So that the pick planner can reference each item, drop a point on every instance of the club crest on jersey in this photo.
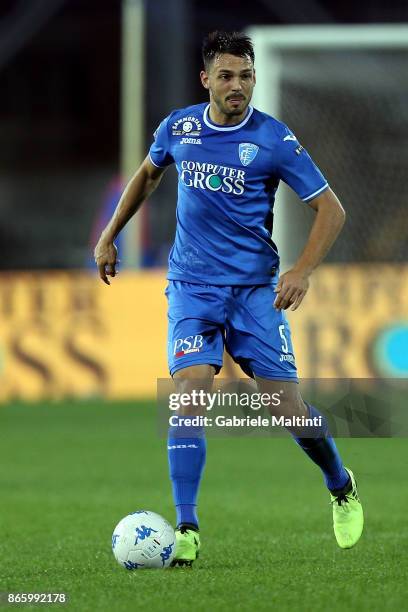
(186, 125)
(247, 152)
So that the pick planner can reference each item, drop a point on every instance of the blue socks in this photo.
(186, 453)
(323, 451)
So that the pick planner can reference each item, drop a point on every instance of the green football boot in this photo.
(348, 518)
(187, 546)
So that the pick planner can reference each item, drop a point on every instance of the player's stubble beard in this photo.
(222, 104)
(221, 101)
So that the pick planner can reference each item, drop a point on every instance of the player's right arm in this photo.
(140, 187)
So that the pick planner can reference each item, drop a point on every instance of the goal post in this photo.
(343, 91)
(132, 116)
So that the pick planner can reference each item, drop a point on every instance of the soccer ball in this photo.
(143, 540)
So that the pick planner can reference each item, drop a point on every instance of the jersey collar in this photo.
(229, 128)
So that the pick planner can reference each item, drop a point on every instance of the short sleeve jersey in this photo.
(227, 181)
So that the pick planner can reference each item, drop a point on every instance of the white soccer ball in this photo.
(144, 540)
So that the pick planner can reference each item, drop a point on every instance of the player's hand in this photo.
(291, 289)
(106, 258)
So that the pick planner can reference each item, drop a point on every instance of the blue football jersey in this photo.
(227, 181)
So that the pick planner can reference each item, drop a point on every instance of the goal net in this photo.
(343, 91)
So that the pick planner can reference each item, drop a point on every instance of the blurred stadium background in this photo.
(83, 85)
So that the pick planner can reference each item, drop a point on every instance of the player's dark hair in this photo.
(218, 42)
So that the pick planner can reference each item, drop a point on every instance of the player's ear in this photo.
(254, 76)
(204, 79)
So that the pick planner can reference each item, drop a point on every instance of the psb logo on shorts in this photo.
(186, 125)
(190, 344)
(247, 152)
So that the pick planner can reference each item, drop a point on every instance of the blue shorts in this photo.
(205, 318)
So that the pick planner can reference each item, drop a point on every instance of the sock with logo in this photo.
(186, 453)
(322, 450)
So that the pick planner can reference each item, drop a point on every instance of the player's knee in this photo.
(202, 372)
(290, 401)
(290, 404)
(194, 382)
(196, 371)
(294, 406)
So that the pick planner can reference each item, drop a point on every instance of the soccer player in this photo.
(224, 286)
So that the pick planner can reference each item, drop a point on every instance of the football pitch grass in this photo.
(71, 471)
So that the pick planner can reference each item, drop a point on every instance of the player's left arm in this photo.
(330, 216)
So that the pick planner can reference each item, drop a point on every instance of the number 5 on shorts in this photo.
(285, 348)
